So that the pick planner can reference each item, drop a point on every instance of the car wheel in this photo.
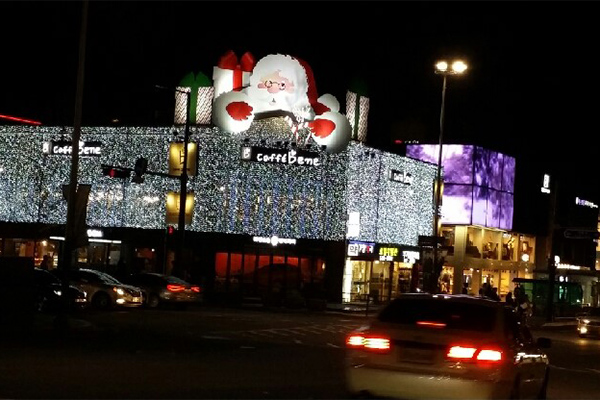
(153, 300)
(544, 389)
(101, 301)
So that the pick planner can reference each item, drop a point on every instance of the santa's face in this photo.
(277, 83)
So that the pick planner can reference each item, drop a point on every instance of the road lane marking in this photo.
(585, 370)
(214, 337)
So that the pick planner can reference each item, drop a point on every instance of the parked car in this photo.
(588, 323)
(160, 289)
(446, 346)
(104, 291)
(49, 291)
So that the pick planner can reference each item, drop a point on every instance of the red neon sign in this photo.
(23, 120)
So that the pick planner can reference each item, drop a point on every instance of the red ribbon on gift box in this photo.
(230, 61)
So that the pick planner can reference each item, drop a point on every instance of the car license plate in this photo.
(416, 355)
(137, 299)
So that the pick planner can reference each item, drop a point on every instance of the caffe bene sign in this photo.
(64, 147)
(280, 156)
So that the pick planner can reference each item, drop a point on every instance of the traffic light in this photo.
(115, 172)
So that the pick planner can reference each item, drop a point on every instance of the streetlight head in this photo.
(441, 66)
(458, 67)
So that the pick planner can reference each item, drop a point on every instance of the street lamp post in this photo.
(183, 180)
(457, 67)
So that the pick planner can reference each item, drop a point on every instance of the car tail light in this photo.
(175, 288)
(431, 324)
(374, 343)
(489, 355)
(196, 289)
(470, 353)
(355, 341)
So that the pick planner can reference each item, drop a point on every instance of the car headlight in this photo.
(585, 321)
(58, 292)
(119, 291)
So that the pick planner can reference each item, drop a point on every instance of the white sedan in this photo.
(424, 346)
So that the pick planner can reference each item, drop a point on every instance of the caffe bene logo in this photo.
(65, 147)
(280, 156)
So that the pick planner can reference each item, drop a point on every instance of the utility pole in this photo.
(550, 253)
(67, 255)
(180, 268)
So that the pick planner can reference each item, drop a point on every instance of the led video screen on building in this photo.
(478, 184)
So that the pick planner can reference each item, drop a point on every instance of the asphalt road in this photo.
(219, 353)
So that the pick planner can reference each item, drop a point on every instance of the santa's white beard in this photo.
(263, 101)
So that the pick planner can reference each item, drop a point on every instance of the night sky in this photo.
(531, 90)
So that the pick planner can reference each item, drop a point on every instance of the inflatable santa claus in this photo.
(279, 86)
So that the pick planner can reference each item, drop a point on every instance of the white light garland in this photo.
(231, 195)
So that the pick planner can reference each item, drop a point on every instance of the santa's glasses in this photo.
(269, 84)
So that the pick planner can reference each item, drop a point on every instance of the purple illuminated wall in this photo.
(478, 184)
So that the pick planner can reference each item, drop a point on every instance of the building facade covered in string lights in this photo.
(256, 206)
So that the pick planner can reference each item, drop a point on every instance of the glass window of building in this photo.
(509, 244)
(526, 250)
(474, 242)
(491, 244)
(448, 239)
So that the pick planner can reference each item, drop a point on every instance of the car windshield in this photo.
(455, 315)
(106, 278)
(175, 280)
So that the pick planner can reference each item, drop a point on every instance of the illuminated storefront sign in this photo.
(280, 156)
(410, 256)
(356, 248)
(546, 184)
(176, 155)
(400, 176)
(582, 202)
(173, 208)
(65, 147)
(95, 233)
(273, 240)
(353, 224)
(388, 253)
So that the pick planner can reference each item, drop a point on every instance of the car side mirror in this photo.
(544, 343)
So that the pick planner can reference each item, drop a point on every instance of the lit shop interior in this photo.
(477, 218)
(377, 273)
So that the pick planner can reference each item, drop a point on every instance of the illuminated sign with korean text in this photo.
(410, 256)
(546, 184)
(586, 203)
(388, 253)
(353, 224)
(65, 147)
(356, 248)
(400, 176)
(273, 240)
(280, 156)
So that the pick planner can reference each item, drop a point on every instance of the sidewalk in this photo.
(559, 323)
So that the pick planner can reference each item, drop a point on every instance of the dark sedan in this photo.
(160, 289)
(49, 291)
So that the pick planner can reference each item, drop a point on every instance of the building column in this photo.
(460, 246)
